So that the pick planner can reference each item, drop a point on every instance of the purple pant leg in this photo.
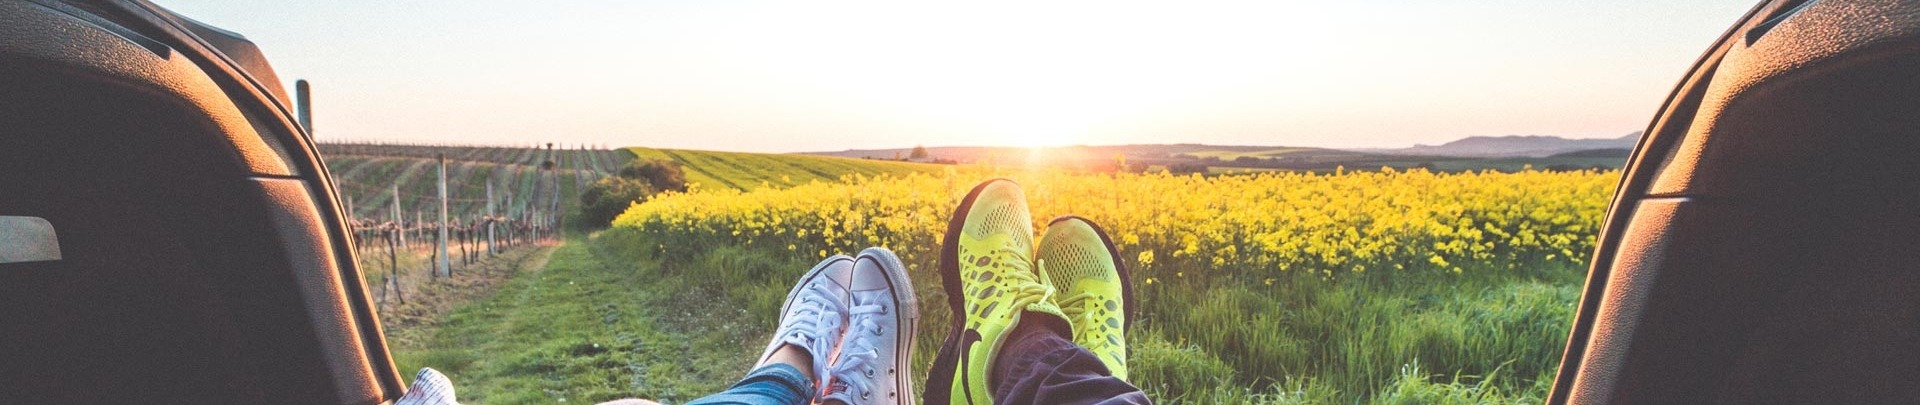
(1039, 365)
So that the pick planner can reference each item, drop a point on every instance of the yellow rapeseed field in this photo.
(1260, 225)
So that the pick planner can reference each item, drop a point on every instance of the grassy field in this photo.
(747, 171)
(1276, 152)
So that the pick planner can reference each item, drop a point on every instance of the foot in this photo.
(873, 363)
(814, 318)
(429, 388)
(1082, 263)
(986, 267)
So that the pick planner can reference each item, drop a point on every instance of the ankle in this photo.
(796, 357)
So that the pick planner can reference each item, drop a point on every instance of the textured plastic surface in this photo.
(1760, 249)
(30, 31)
(198, 257)
(310, 262)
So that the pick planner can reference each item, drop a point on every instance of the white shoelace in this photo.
(816, 318)
(859, 351)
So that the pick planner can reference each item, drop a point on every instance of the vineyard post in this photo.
(446, 263)
(490, 250)
(399, 221)
(511, 233)
(553, 212)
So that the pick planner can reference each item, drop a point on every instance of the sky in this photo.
(775, 76)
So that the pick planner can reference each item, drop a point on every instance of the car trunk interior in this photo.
(196, 255)
(1761, 249)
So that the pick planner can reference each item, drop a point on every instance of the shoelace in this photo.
(1074, 306)
(816, 316)
(859, 353)
(1028, 286)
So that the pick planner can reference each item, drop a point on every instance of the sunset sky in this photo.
(829, 75)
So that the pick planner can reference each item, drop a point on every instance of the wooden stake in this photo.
(446, 263)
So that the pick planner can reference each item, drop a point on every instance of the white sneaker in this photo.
(873, 363)
(429, 388)
(815, 315)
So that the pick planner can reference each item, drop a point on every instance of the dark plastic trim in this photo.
(1668, 127)
(302, 155)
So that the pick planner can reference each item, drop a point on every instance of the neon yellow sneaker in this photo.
(986, 268)
(1079, 258)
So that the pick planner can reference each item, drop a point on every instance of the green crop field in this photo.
(748, 171)
(1231, 155)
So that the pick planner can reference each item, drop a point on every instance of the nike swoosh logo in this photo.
(967, 340)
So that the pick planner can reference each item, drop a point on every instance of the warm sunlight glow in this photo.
(1039, 128)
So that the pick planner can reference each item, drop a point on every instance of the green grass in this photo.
(583, 329)
(747, 171)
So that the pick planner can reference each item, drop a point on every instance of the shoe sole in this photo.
(1126, 278)
(811, 274)
(940, 377)
(908, 321)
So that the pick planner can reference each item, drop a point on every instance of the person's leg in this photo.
(1041, 365)
(1009, 311)
(772, 384)
(1010, 340)
(1083, 358)
(986, 268)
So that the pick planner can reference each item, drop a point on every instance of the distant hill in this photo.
(1105, 157)
(967, 154)
(1616, 153)
(747, 171)
(1513, 146)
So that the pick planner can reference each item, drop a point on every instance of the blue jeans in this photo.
(772, 384)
